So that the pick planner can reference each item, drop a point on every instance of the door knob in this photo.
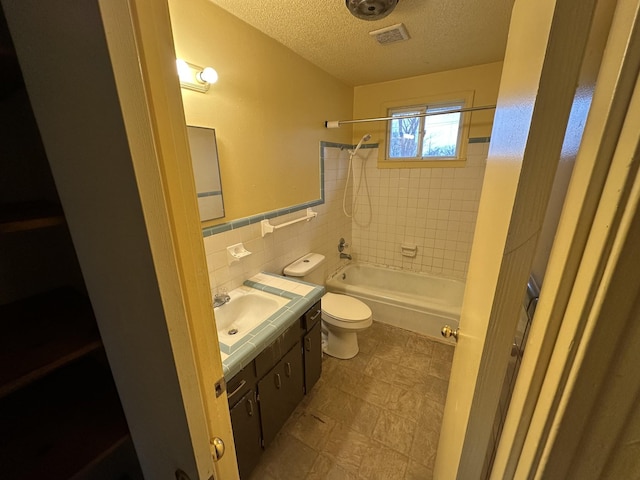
(447, 332)
(217, 448)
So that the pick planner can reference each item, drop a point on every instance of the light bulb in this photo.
(208, 75)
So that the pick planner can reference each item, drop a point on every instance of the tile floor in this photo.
(376, 416)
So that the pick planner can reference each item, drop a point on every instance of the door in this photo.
(246, 433)
(116, 143)
(537, 105)
(280, 391)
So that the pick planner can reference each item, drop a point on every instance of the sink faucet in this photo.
(221, 298)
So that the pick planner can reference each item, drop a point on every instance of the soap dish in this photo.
(236, 252)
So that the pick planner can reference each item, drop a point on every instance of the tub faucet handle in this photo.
(342, 245)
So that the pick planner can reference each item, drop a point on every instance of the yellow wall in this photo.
(372, 100)
(268, 109)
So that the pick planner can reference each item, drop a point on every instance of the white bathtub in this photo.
(414, 301)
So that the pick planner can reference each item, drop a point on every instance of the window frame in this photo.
(462, 99)
(421, 129)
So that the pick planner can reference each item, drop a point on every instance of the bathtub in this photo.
(418, 302)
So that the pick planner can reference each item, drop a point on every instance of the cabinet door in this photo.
(245, 420)
(280, 392)
(312, 357)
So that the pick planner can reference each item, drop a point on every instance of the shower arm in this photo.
(339, 123)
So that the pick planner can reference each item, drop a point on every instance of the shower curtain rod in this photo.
(338, 123)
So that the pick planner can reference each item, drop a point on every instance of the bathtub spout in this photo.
(345, 255)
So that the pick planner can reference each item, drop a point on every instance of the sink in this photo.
(247, 309)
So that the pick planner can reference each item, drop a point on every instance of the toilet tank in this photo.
(309, 268)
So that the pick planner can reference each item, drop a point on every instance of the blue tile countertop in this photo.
(302, 296)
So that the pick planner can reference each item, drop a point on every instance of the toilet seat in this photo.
(342, 308)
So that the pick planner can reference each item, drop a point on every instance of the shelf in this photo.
(58, 426)
(17, 217)
(43, 333)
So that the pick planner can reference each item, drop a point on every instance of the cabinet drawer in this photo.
(241, 383)
(274, 352)
(312, 317)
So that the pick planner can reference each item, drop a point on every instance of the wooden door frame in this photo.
(543, 60)
(551, 327)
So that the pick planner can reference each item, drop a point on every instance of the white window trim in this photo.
(466, 100)
(422, 109)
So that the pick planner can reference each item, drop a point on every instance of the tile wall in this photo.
(434, 209)
(276, 250)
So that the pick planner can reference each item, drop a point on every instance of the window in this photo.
(436, 137)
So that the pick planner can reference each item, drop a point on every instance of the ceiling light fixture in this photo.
(371, 9)
(194, 77)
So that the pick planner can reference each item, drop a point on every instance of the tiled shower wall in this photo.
(276, 250)
(434, 209)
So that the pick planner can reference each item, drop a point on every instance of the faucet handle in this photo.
(342, 244)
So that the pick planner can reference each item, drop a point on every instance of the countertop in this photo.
(301, 295)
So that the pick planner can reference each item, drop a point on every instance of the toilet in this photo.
(342, 316)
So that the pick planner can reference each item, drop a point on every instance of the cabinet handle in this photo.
(237, 389)
(277, 379)
(316, 315)
(250, 407)
(287, 369)
(307, 343)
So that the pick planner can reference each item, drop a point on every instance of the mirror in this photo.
(204, 160)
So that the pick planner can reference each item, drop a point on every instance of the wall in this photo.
(434, 209)
(36, 260)
(268, 108)
(371, 100)
(276, 250)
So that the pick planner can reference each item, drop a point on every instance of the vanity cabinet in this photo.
(280, 392)
(264, 394)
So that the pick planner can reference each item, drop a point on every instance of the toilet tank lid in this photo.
(304, 266)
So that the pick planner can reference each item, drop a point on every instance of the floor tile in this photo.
(311, 428)
(404, 402)
(327, 468)
(383, 464)
(417, 471)
(287, 458)
(420, 343)
(352, 412)
(395, 432)
(348, 448)
(376, 416)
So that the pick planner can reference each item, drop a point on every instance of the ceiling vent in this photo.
(394, 33)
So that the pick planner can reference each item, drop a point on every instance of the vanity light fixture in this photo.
(194, 77)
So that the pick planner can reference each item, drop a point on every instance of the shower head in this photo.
(365, 138)
(371, 9)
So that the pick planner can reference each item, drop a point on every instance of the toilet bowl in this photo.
(342, 316)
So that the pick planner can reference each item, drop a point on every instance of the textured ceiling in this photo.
(445, 35)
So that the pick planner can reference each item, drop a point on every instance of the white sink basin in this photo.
(247, 309)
